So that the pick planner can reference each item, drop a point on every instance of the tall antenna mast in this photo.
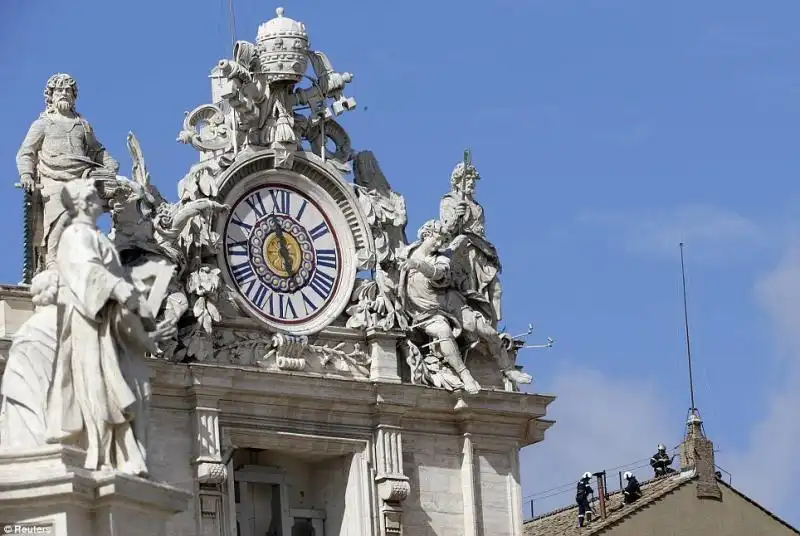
(232, 23)
(686, 327)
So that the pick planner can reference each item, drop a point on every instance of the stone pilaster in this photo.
(208, 451)
(393, 486)
(468, 485)
(211, 472)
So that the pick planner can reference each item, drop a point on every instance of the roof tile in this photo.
(564, 521)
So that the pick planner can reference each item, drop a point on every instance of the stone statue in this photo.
(29, 369)
(434, 308)
(100, 390)
(60, 147)
(439, 309)
(476, 269)
(145, 231)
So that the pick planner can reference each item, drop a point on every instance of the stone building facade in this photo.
(296, 396)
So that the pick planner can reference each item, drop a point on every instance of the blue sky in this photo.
(605, 131)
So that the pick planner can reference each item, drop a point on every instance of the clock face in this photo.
(283, 255)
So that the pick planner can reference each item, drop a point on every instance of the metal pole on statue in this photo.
(27, 238)
(28, 235)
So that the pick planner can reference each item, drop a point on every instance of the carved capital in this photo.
(211, 473)
(393, 488)
(393, 485)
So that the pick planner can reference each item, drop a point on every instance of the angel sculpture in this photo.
(377, 302)
(147, 231)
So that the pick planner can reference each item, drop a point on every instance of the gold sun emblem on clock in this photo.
(283, 254)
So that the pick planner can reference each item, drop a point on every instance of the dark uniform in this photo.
(582, 498)
(660, 462)
(632, 490)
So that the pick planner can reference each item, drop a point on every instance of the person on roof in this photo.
(632, 489)
(582, 498)
(661, 461)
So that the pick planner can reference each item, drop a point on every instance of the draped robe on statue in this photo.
(100, 389)
(26, 381)
(476, 266)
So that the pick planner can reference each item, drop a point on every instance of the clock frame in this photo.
(301, 279)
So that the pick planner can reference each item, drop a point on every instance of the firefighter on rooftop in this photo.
(632, 489)
(582, 498)
(661, 461)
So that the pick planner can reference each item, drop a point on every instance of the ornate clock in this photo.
(287, 251)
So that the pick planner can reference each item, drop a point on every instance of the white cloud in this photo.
(767, 469)
(602, 422)
(710, 231)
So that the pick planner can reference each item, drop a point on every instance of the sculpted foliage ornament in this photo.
(286, 352)
(376, 300)
(205, 129)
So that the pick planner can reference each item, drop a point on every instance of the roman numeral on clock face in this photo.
(260, 296)
(326, 258)
(286, 308)
(322, 284)
(319, 231)
(281, 201)
(242, 273)
(237, 220)
(256, 203)
(302, 209)
(236, 248)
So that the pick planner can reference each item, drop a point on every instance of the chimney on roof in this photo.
(601, 492)
(697, 453)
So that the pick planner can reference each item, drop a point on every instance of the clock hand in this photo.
(283, 248)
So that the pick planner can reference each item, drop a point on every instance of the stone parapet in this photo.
(48, 489)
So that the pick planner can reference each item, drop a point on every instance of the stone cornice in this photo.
(21, 292)
(248, 394)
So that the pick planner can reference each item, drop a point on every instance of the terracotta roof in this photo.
(564, 522)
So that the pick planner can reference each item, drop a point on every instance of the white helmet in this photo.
(587, 476)
(662, 447)
(628, 475)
